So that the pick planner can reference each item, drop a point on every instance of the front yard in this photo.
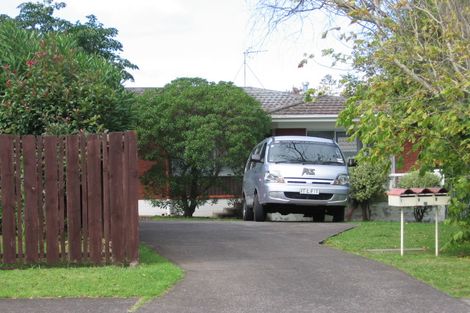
(450, 272)
(152, 277)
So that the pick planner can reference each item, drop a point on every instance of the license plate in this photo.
(309, 191)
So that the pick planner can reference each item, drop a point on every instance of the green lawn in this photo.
(152, 277)
(450, 272)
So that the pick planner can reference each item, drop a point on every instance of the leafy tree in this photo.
(366, 182)
(48, 84)
(200, 128)
(416, 179)
(327, 87)
(39, 16)
(414, 83)
(91, 36)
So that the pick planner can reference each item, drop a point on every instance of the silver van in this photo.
(295, 174)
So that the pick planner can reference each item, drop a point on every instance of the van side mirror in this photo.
(256, 158)
(352, 162)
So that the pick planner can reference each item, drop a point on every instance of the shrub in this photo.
(419, 180)
(366, 181)
(199, 128)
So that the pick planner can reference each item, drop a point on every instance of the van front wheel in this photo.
(338, 214)
(247, 212)
(258, 210)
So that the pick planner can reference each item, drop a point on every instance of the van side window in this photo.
(249, 162)
(263, 152)
(256, 150)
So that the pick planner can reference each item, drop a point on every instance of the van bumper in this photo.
(290, 194)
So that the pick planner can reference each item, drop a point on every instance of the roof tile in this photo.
(288, 103)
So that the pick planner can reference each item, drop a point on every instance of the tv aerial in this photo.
(246, 67)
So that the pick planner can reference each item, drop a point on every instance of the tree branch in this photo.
(415, 77)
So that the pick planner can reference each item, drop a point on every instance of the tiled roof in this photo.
(324, 105)
(285, 102)
(288, 103)
(272, 100)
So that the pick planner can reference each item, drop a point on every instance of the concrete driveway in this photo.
(280, 267)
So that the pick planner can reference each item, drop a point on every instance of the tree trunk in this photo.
(192, 207)
(365, 211)
(419, 213)
(190, 202)
(353, 204)
(186, 206)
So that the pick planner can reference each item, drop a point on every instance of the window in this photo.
(322, 134)
(349, 148)
(305, 152)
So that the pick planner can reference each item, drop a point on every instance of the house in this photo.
(292, 115)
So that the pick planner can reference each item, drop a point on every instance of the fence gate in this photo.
(69, 198)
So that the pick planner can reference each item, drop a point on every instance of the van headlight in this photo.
(342, 179)
(273, 177)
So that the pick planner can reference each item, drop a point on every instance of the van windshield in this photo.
(306, 152)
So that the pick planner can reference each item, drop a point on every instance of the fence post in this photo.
(8, 199)
(31, 198)
(51, 199)
(73, 199)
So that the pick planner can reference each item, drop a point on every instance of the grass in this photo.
(152, 277)
(450, 272)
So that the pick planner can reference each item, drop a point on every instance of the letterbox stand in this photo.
(412, 197)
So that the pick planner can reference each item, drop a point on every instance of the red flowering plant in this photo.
(59, 89)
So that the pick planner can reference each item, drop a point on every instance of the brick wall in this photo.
(143, 166)
(409, 159)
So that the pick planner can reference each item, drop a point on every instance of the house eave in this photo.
(304, 118)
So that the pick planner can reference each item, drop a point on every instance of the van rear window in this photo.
(305, 152)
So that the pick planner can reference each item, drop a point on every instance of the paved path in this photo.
(243, 267)
(247, 267)
(84, 305)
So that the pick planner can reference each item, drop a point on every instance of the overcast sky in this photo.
(205, 38)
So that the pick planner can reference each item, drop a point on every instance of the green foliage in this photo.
(416, 179)
(366, 181)
(416, 88)
(413, 80)
(49, 85)
(459, 210)
(39, 16)
(202, 128)
(327, 87)
(91, 36)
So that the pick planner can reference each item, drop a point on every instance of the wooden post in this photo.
(437, 230)
(31, 198)
(51, 199)
(73, 199)
(402, 231)
(8, 199)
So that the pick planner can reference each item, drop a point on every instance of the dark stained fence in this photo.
(69, 199)
(227, 187)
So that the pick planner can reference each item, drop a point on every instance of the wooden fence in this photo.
(69, 198)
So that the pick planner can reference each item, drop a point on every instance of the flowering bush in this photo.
(50, 86)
